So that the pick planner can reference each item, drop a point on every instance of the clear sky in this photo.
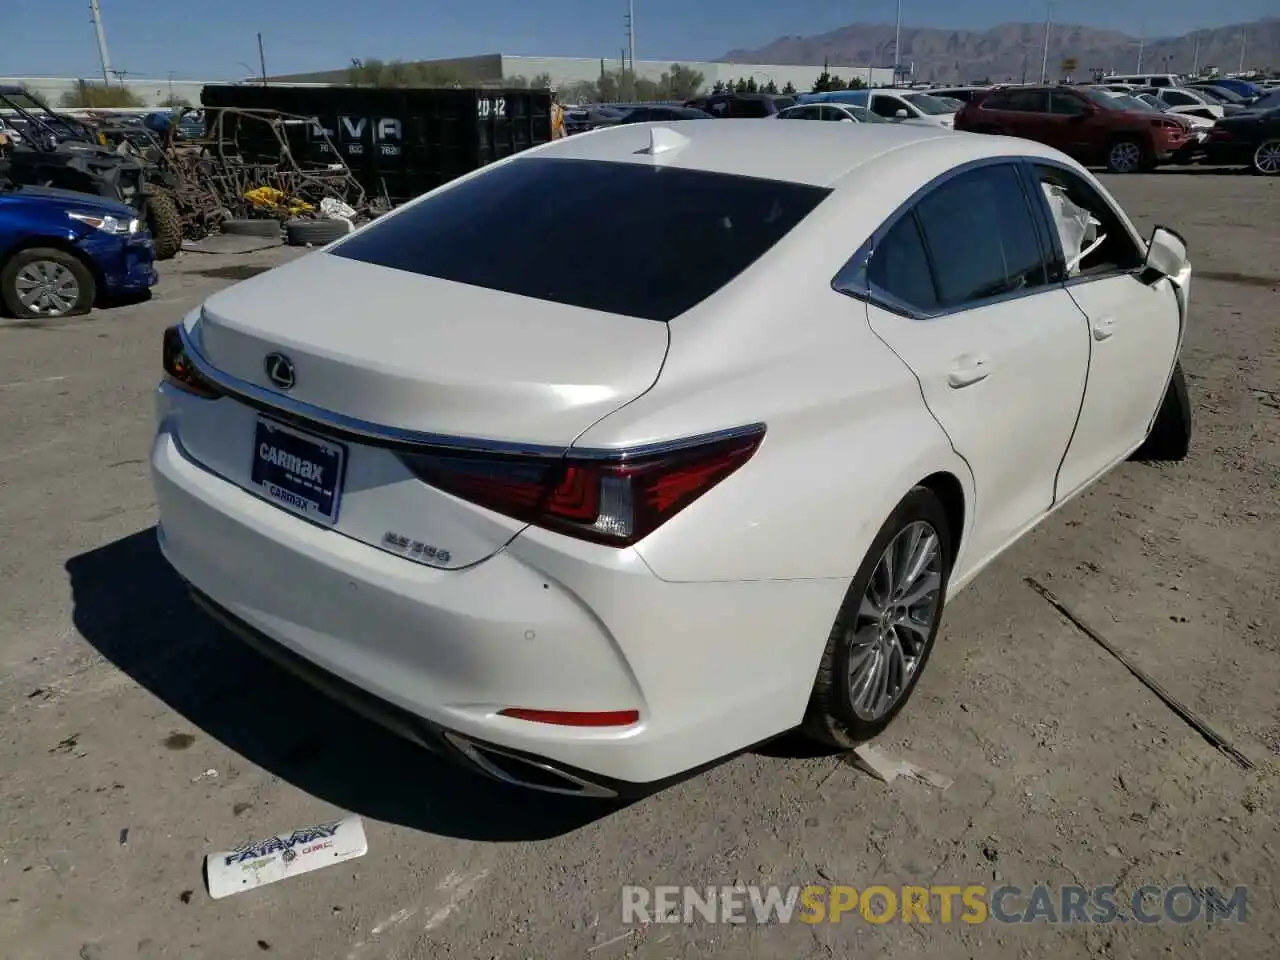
(215, 39)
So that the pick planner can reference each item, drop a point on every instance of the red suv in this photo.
(1082, 122)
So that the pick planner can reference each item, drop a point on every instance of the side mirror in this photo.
(901, 115)
(1166, 252)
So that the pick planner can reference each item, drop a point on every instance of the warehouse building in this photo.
(494, 68)
(152, 93)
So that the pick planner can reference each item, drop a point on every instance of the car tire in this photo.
(164, 222)
(1126, 155)
(50, 263)
(1170, 437)
(1266, 158)
(316, 233)
(858, 641)
(252, 228)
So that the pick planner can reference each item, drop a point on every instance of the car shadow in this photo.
(133, 608)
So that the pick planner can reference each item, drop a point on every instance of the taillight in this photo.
(180, 371)
(612, 499)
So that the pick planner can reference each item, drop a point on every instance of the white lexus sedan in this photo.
(590, 529)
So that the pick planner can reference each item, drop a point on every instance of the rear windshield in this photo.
(626, 238)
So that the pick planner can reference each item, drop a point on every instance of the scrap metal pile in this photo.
(249, 164)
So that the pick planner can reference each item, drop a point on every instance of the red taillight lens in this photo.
(568, 718)
(179, 369)
(615, 500)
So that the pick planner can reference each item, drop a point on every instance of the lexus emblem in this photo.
(280, 370)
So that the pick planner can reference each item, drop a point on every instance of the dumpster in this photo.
(399, 143)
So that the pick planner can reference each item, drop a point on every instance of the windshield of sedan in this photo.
(1152, 105)
(929, 105)
(863, 115)
(1269, 102)
(682, 234)
(1222, 93)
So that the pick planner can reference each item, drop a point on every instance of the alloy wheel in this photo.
(895, 619)
(1125, 157)
(47, 288)
(1266, 159)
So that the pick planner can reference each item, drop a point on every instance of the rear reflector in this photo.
(617, 499)
(568, 718)
(179, 370)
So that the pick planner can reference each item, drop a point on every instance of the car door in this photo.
(1135, 328)
(1067, 125)
(958, 288)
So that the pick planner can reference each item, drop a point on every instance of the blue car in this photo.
(61, 251)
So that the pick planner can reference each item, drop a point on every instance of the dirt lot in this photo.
(116, 700)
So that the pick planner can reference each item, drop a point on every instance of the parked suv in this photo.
(1084, 123)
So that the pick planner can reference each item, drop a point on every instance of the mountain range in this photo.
(1013, 51)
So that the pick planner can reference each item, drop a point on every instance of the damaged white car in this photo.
(589, 529)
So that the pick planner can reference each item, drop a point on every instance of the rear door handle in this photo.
(968, 369)
(1104, 327)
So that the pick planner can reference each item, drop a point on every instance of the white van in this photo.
(1145, 79)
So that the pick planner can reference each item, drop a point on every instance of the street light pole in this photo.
(262, 61)
(1044, 60)
(897, 44)
(631, 35)
(96, 13)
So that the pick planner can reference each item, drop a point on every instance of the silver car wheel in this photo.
(47, 288)
(1267, 157)
(1126, 157)
(895, 619)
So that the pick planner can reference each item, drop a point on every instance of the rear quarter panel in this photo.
(848, 434)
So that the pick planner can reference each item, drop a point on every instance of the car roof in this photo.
(819, 154)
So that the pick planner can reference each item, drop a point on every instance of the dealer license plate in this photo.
(297, 470)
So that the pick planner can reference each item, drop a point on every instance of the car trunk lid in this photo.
(422, 359)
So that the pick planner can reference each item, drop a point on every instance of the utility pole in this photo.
(1141, 43)
(1195, 59)
(1243, 38)
(631, 35)
(262, 61)
(102, 41)
(897, 44)
(1044, 60)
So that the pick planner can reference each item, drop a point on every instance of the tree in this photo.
(175, 102)
(854, 83)
(541, 81)
(720, 88)
(681, 82)
(790, 89)
(770, 87)
(100, 95)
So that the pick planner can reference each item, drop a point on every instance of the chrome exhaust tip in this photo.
(521, 771)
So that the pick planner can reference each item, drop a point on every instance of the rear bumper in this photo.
(545, 623)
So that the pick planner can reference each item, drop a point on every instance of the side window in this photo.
(1179, 99)
(1097, 226)
(981, 238)
(1160, 82)
(1018, 101)
(1065, 104)
(900, 267)
(833, 114)
(888, 107)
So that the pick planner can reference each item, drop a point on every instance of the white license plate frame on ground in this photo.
(298, 471)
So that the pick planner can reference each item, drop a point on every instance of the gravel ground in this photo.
(117, 698)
